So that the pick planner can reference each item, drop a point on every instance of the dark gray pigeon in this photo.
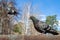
(42, 27)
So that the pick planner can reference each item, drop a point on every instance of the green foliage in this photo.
(51, 20)
(17, 29)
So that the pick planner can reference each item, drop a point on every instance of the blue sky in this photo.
(45, 7)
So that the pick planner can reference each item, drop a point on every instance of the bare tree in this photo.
(5, 7)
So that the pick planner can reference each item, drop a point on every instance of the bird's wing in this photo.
(42, 25)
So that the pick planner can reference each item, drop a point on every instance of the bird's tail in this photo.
(54, 32)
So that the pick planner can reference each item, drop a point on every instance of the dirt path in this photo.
(42, 37)
(31, 37)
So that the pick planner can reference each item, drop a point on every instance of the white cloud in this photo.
(41, 17)
(59, 23)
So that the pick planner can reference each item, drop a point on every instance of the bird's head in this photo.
(32, 17)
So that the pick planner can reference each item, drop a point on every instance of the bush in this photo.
(16, 29)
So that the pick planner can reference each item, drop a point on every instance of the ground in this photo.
(31, 37)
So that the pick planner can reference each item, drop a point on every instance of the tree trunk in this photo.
(5, 25)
